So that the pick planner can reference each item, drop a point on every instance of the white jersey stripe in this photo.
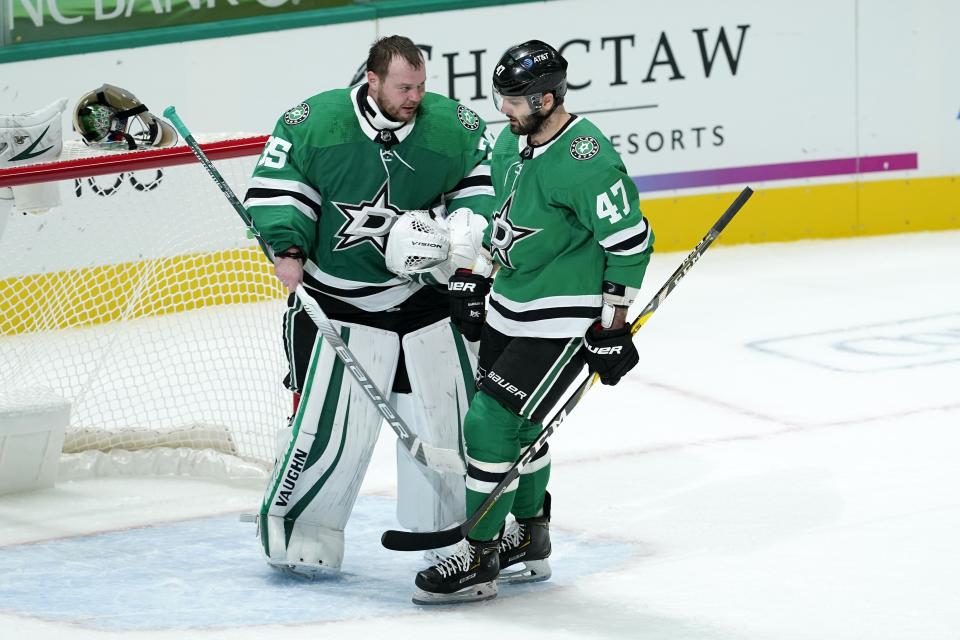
(549, 302)
(391, 294)
(550, 328)
(490, 467)
(479, 170)
(486, 190)
(624, 234)
(341, 283)
(487, 487)
(536, 465)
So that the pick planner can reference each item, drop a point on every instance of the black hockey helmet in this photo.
(530, 69)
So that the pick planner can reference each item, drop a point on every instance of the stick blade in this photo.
(420, 541)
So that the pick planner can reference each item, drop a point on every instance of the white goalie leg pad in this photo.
(317, 478)
(441, 369)
(425, 501)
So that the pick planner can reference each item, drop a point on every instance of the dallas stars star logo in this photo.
(505, 234)
(369, 221)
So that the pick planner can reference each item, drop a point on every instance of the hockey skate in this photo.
(436, 556)
(469, 575)
(525, 547)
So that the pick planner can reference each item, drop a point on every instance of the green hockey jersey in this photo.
(567, 218)
(336, 173)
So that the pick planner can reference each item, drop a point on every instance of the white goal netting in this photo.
(142, 301)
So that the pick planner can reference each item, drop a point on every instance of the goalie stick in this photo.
(418, 541)
(435, 458)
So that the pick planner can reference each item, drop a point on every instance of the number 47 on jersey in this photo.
(605, 206)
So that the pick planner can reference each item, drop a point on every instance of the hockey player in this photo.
(337, 173)
(570, 247)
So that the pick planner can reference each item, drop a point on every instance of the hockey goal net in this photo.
(142, 300)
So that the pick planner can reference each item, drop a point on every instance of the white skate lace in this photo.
(512, 536)
(459, 561)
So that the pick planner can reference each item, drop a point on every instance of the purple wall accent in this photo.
(783, 171)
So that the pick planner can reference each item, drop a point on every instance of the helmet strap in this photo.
(133, 111)
(131, 143)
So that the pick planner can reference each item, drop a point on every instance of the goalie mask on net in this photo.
(113, 118)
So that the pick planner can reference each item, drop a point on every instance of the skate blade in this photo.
(532, 571)
(475, 593)
(308, 571)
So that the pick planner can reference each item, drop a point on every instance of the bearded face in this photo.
(398, 94)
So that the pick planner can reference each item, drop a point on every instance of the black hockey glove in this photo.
(468, 293)
(610, 352)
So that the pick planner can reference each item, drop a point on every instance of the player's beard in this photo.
(398, 114)
(529, 125)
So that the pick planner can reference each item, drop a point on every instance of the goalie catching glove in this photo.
(420, 243)
(610, 353)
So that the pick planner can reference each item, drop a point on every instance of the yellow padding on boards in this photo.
(97, 295)
(810, 212)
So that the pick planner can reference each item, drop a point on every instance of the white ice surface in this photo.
(782, 464)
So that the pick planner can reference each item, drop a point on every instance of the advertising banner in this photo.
(843, 115)
(29, 21)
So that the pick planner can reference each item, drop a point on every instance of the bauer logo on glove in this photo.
(603, 351)
(468, 292)
(466, 287)
(610, 353)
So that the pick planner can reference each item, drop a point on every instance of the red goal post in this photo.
(79, 161)
(141, 300)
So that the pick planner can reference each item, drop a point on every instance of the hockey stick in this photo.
(437, 459)
(418, 541)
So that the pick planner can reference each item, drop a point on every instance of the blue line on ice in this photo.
(209, 573)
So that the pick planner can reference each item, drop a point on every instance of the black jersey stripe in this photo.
(360, 292)
(263, 192)
(484, 476)
(630, 243)
(472, 181)
(492, 476)
(548, 313)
